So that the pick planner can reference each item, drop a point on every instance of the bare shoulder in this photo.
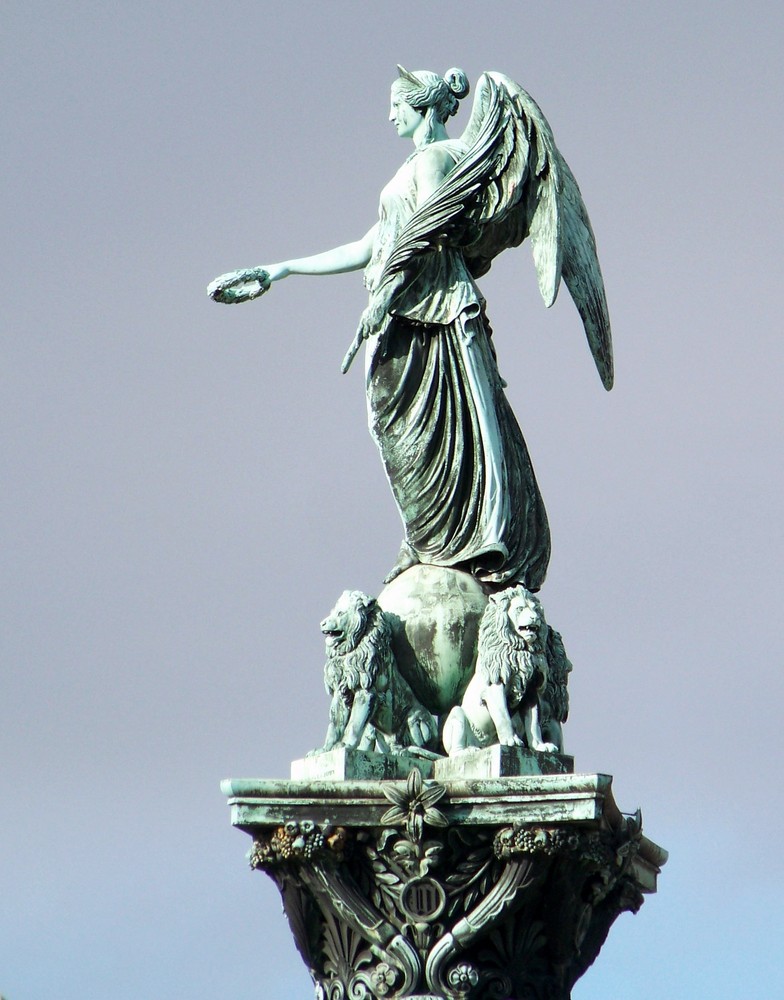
(435, 159)
(430, 168)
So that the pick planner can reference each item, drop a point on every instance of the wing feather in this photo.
(583, 276)
(513, 183)
(452, 206)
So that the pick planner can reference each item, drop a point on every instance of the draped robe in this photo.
(453, 452)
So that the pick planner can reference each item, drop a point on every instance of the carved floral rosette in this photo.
(418, 907)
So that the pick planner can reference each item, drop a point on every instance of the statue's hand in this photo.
(275, 271)
(373, 320)
(241, 286)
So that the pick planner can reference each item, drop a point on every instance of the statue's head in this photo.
(431, 97)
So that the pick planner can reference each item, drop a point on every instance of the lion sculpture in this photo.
(554, 699)
(516, 693)
(372, 706)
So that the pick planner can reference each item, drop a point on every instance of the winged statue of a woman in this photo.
(453, 452)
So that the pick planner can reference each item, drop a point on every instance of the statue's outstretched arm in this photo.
(349, 257)
(244, 285)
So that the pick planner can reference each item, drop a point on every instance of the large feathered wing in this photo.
(511, 184)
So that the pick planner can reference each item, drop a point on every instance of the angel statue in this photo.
(454, 455)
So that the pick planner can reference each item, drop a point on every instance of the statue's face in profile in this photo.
(403, 115)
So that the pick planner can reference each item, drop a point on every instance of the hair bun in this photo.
(457, 82)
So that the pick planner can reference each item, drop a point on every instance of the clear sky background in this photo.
(189, 487)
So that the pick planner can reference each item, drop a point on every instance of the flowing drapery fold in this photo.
(454, 454)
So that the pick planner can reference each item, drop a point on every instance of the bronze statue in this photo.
(454, 455)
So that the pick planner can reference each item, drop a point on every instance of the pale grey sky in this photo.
(189, 487)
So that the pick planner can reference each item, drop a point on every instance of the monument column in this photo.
(438, 845)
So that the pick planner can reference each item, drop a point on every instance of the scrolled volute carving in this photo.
(415, 907)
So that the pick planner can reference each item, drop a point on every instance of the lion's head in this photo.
(512, 639)
(347, 622)
(357, 637)
(516, 616)
(525, 617)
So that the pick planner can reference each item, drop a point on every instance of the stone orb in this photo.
(435, 612)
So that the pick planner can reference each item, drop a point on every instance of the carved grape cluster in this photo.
(534, 840)
(260, 856)
(595, 853)
(282, 841)
(297, 841)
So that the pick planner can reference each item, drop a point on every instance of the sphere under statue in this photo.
(434, 612)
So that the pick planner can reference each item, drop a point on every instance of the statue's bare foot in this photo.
(405, 560)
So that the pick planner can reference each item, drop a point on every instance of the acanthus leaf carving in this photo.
(463, 913)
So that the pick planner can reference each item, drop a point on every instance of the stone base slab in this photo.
(342, 764)
(501, 762)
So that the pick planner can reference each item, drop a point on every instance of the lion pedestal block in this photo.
(342, 763)
(498, 761)
(466, 889)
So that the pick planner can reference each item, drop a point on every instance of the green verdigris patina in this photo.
(462, 890)
(454, 455)
(501, 877)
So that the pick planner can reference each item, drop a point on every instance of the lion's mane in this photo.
(367, 645)
(503, 657)
(557, 693)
